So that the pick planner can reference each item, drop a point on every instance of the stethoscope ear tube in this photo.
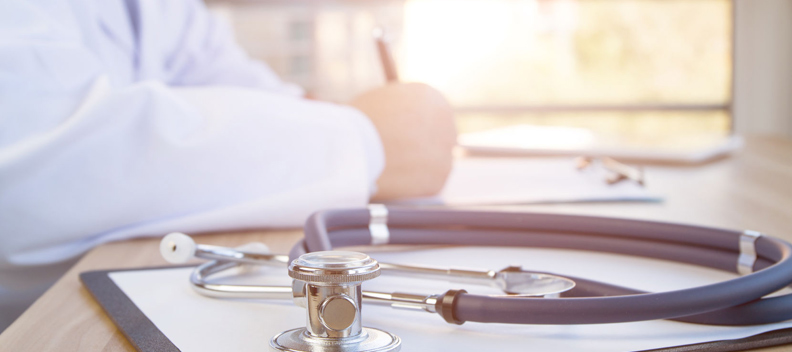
(724, 303)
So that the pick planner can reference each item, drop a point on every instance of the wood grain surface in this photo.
(751, 190)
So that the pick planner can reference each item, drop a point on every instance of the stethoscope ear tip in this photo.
(177, 248)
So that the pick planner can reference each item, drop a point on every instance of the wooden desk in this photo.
(752, 190)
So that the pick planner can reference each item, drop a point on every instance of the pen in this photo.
(386, 58)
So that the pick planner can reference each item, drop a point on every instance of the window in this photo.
(632, 67)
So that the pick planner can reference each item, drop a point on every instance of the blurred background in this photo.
(639, 69)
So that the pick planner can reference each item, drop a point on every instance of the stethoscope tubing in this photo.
(695, 255)
(320, 223)
(722, 303)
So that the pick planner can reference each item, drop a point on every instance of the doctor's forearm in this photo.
(418, 133)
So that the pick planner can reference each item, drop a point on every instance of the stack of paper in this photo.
(509, 180)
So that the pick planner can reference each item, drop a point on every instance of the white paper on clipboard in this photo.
(520, 180)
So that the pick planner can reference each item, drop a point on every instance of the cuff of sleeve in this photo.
(372, 145)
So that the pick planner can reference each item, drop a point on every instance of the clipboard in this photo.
(144, 335)
(139, 330)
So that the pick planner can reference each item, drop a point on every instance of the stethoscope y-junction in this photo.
(327, 282)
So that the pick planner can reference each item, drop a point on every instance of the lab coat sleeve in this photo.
(198, 48)
(84, 162)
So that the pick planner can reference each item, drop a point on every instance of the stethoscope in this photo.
(327, 282)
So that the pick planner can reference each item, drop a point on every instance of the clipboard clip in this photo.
(617, 172)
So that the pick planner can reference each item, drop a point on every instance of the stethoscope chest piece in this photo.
(328, 285)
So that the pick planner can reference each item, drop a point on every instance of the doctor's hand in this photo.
(417, 129)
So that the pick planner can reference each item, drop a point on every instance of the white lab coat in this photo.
(140, 117)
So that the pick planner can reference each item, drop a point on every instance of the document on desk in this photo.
(521, 180)
(196, 323)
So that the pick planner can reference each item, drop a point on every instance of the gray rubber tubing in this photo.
(725, 303)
